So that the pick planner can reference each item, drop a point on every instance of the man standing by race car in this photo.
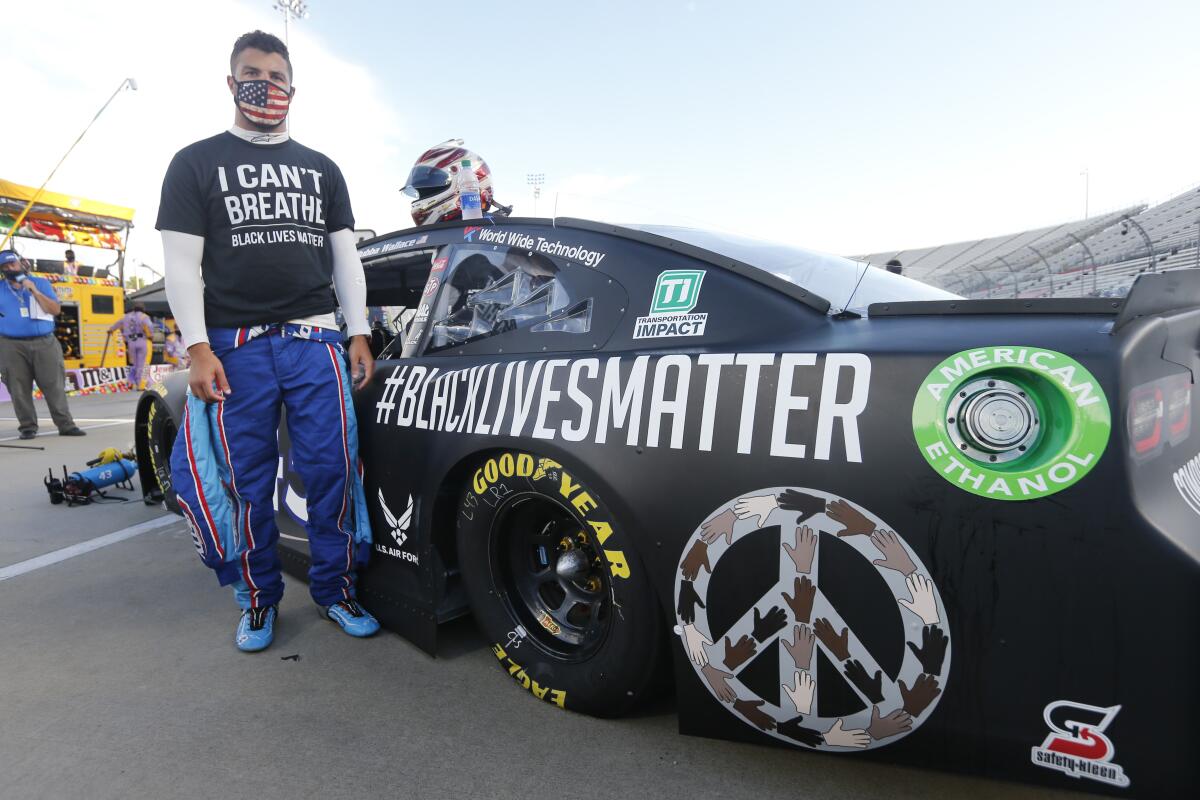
(28, 350)
(255, 229)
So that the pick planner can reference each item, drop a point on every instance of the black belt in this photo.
(136, 336)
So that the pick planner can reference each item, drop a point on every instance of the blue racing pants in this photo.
(225, 459)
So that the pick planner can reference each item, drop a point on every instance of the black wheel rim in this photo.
(551, 576)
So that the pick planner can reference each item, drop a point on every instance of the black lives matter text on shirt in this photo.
(265, 212)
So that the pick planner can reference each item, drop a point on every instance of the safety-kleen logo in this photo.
(1076, 745)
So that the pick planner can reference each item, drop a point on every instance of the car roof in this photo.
(828, 283)
(848, 285)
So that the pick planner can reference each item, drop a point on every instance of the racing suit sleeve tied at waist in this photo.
(203, 481)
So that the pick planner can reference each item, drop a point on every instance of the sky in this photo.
(846, 127)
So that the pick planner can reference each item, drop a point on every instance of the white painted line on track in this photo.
(77, 419)
(108, 424)
(22, 567)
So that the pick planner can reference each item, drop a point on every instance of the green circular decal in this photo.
(1011, 423)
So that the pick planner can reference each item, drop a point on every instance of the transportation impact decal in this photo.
(812, 620)
(676, 292)
(1011, 423)
(1076, 745)
(790, 405)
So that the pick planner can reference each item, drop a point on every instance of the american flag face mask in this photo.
(262, 102)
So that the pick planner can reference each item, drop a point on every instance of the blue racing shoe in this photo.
(256, 629)
(354, 619)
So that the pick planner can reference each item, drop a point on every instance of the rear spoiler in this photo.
(1152, 294)
(1160, 293)
(1048, 305)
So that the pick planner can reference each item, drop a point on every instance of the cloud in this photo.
(59, 74)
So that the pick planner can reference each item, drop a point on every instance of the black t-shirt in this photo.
(265, 212)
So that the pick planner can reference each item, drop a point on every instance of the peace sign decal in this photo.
(823, 629)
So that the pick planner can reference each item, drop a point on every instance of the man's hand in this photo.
(362, 363)
(806, 547)
(932, 651)
(205, 371)
(687, 602)
(855, 522)
(696, 558)
(48, 303)
(801, 605)
(858, 675)
(801, 649)
(925, 689)
(771, 624)
(752, 711)
(720, 526)
(838, 643)
(899, 721)
(738, 654)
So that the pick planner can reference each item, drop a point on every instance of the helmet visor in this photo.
(426, 181)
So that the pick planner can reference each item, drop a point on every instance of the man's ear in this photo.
(292, 94)
(232, 84)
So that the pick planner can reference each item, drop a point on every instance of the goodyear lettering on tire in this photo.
(494, 480)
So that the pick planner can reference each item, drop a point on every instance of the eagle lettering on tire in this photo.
(812, 620)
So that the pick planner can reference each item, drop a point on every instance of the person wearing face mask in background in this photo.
(257, 238)
(70, 265)
(28, 350)
(135, 329)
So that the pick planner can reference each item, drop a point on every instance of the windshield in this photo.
(846, 284)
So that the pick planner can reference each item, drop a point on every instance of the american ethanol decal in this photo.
(1011, 423)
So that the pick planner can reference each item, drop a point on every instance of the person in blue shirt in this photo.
(28, 350)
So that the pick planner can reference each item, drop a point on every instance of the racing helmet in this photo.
(431, 182)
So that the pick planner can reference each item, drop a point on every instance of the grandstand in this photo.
(1096, 257)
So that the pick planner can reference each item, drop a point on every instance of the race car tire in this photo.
(160, 438)
(556, 587)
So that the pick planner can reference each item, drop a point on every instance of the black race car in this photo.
(843, 510)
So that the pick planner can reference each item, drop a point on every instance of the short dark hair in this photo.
(259, 40)
(70, 254)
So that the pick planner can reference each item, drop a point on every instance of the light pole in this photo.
(290, 8)
(535, 179)
(132, 84)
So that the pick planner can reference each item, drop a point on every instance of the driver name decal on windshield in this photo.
(788, 405)
(387, 247)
